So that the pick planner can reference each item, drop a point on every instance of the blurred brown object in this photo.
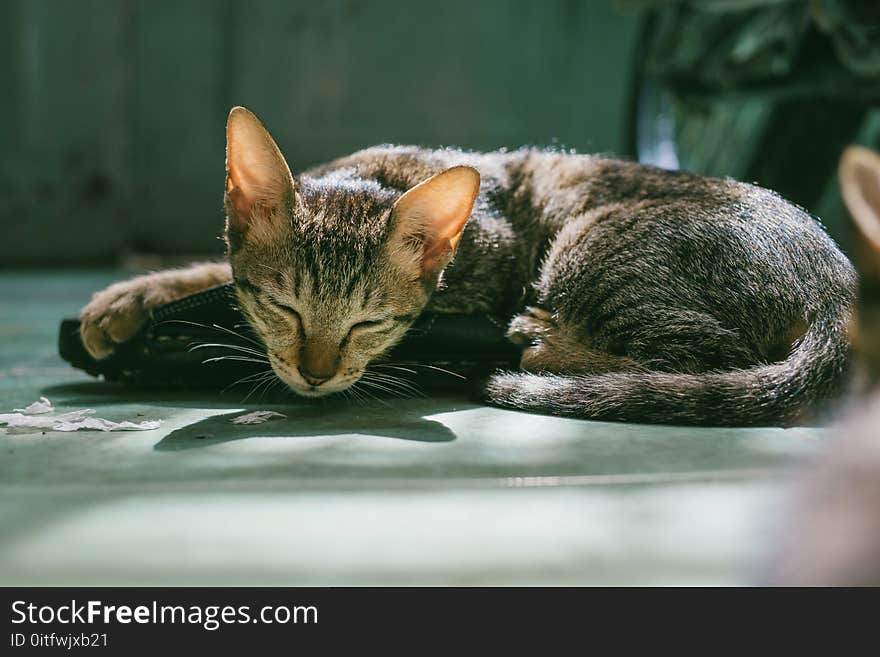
(860, 188)
(832, 537)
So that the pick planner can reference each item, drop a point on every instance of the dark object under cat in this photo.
(635, 293)
(203, 341)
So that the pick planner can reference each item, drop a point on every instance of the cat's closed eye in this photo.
(363, 327)
(288, 310)
(367, 324)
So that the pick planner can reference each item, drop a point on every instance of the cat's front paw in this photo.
(113, 316)
(529, 327)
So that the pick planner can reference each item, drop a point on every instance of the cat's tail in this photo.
(781, 393)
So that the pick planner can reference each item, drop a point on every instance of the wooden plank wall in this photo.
(112, 135)
(63, 146)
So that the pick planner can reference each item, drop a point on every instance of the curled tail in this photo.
(780, 393)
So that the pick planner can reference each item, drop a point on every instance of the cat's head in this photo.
(859, 174)
(332, 271)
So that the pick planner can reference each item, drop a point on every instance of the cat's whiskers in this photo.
(391, 384)
(422, 365)
(216, 327)
(245, 359)
(377, 386)
(233, 347)
(256, 377)
(370, 395)
(256, 380)
(261, 383)
(390, 378)
(393, 387)
(274, 384)
(356, 396)
(240, 353)
(394, 367)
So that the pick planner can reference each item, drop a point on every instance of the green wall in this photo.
(112, 126)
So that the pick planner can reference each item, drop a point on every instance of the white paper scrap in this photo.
(257, 417)
(36, 417)
(39, 407)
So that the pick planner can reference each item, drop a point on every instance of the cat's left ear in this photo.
(258, 180)
(429, 219)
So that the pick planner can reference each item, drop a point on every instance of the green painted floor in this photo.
(438, 491)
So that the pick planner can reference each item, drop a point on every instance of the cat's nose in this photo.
(315, 379)
(318, 362)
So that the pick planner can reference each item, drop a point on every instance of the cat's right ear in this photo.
(859, 174)
(258, 180)
(429, 220)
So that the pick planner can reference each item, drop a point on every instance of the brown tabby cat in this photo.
(636, 293)
(833, 537)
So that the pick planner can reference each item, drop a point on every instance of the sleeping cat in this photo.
(637, 294)
(832, 534)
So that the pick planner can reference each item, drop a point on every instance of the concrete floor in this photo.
(438, 491)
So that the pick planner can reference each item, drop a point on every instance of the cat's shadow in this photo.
(404, 419)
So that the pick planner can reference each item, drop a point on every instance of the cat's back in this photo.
(403, 166)
(573, 183)
(556, 180)
(546, 188)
